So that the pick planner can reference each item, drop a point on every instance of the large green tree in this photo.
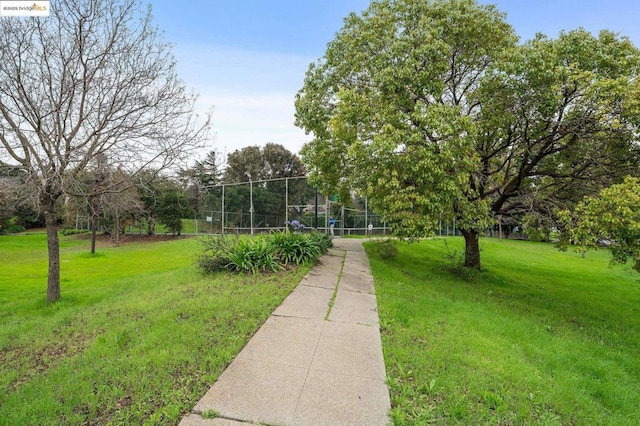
(432, 110)
(201, 180)
(267, 167)
(172, 206)
(282, 163)
(244, 165)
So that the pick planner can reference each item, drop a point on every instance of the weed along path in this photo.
(316, 361)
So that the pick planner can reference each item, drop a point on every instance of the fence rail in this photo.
(269, 205)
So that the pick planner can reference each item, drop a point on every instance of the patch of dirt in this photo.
(32, 361)
(109, 240)
(124, 402)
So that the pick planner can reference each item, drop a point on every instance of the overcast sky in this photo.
(247, 58)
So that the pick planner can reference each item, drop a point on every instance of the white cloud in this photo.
(252, 94)
(255, 120)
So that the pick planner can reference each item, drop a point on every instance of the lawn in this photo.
(538, 337)
(138, 337)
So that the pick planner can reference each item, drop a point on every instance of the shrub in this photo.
(72, 231)
(287, 247)
(218, 245)
(291, 248)
(212, 264)
(385, 249)
(13, 229)
(253, 256)
(300, 248)
(215, 256)
(261, 254)
(322, 240)
(11, 225)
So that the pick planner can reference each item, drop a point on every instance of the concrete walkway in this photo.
(316, 361)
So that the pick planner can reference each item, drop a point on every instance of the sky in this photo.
(247, 58)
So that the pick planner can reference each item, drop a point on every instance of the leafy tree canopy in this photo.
(273, 161)
(260, 163)
(433, 110)
(612, 217)
(204, 173)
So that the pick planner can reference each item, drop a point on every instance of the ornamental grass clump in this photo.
(261, 254)
(297, 248)
(255, 255)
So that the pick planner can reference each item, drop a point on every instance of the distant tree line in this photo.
(109, 200)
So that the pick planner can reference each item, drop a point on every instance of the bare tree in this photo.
(93, 78)
(104, 192)
(7, 203)
(120, 203)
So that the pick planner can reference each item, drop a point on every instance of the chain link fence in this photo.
(264, 206)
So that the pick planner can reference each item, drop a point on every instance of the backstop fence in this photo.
(267, 205)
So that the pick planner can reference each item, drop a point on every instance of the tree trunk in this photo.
(94, 220)
(53, 245)
(117, 228)
(471, 249)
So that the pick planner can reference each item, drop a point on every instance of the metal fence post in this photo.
(251, 204)
(222, 213)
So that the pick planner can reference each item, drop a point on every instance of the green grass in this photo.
(137, 338)
(537, 337)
